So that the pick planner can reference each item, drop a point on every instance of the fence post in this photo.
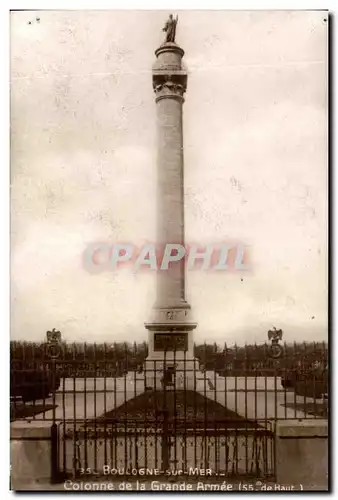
(54, 454)
(165, 445)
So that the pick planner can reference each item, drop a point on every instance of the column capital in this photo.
(169, 89)
(169, 75)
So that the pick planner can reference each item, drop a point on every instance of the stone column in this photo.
(170, 329)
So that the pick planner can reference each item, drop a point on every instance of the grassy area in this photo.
(181, 407)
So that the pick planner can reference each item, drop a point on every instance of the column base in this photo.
(171, 362)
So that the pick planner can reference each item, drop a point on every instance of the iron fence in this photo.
(111, 414)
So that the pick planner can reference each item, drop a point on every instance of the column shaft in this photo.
(170, 197)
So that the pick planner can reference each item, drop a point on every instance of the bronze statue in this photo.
(170, 29)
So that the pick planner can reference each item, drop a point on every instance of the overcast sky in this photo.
(83, 169)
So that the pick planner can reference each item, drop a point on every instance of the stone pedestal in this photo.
(171, 353)
(171, 327)
(30, 449)
(302, 454)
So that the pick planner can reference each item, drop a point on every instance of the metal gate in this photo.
(125, 448)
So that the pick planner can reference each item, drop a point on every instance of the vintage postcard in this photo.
(169, 250)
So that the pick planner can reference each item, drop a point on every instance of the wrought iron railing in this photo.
(107, 407)
(297, 380)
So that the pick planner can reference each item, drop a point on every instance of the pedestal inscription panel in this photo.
(177, 341)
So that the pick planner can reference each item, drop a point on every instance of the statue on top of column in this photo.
(170, 29)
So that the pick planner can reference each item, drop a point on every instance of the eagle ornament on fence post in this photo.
(275, 350)
(53, 343)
